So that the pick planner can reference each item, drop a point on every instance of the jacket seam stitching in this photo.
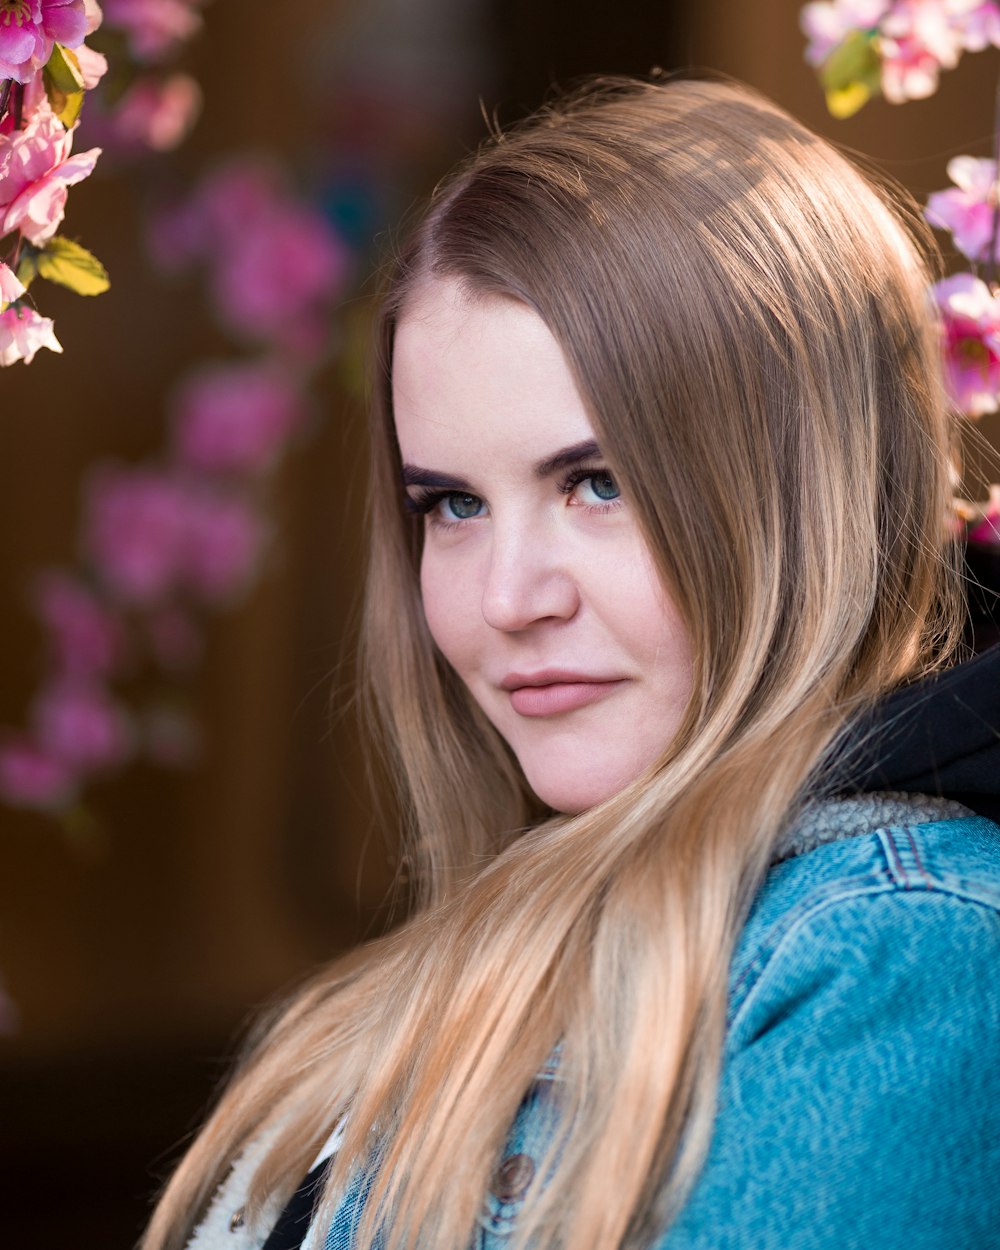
(805, 915)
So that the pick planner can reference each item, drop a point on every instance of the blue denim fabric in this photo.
(859, 1102)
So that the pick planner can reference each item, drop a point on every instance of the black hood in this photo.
(938, 736)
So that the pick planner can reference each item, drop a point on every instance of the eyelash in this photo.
(425, 503)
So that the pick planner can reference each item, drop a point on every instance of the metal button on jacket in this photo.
(512, 1177)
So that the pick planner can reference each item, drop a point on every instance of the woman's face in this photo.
(537, 586)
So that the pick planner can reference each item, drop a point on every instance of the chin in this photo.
(573, 792)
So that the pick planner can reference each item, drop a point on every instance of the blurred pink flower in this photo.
(134, 531)
(154, 27)
(976, 22)
(278, 277)
(919, 39)
(10, 288)
(152, 533)
(30, 777)
(235, 417)
(22, 333)
(77, 723)
(276, 265)
(195, 228)
(971, 332)
(86, 637)
(987, 530)
(242, 193)
(36, 168)
(28, 28)
(93, 66)
(966, 209)
(827, 23)
(225, 538)
(155, 114)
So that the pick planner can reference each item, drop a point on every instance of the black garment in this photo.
(937, 736)
(293, 1223)
(940, 735)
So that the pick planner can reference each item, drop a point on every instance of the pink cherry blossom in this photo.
(152, 533)
(31, 777)
(976, 22)
(966, 209)
(36, 168)
(134, 531)
(919, 38)
(10, 288)
(245, 191)
(22, 333)
(86, 637)
(827, 23)
(276, 264)
(154, 27)
(28, 28)
(77, 723)
(93, 66)
(970, 316)
(194, 228)
(235, 417)
(21, 38)
(987, 529)
(225, 538)
(240, 195)
(276, 280)
(155, 114)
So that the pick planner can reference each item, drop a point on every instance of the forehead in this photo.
(480, 373)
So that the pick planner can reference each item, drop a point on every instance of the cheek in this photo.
(451, 611)
(650, 626)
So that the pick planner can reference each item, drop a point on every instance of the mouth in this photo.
(549, 694)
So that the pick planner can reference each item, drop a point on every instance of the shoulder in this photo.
(887, 901)
(859, 1100)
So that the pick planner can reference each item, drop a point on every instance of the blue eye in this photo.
(603, 486)
(593, 488)
(463, 507)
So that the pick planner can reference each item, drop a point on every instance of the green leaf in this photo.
(64, 84)
(71, 265)
(70, 108)
(852, 73)
(27, 265)
(62, 70)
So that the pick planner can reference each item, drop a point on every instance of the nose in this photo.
(529, 579)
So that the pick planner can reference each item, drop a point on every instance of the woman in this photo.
(659, 511)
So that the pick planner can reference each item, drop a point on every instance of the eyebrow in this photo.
(413, 475)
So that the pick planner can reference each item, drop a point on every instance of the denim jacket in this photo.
(859, 1099)
(859, 1102)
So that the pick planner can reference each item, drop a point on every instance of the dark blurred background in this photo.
(136, 954)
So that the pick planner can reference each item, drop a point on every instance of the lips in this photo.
(553, 691)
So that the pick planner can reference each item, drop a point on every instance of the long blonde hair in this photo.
(746, 318)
